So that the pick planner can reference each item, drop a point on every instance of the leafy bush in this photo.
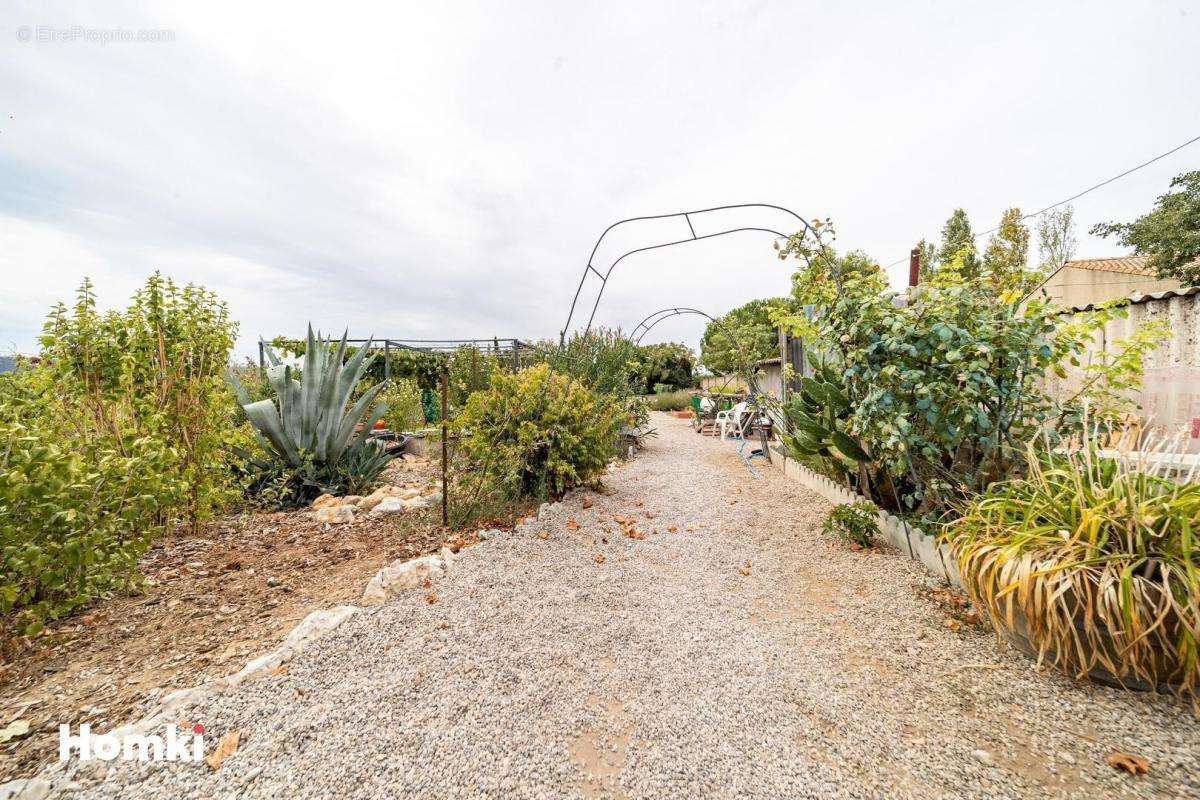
(1094, 562)
(605, 362)
(667, 363)
(404, 409)
(155, 369)
(741, 338)
(470, 370)
(670, 401)
(538, 433)
(118, 434)
(313, 444)
(941, 391)
(855, 523)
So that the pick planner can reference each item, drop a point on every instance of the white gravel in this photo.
(666, 671)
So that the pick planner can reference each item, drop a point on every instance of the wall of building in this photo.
(1072, 287)
(1170, 395)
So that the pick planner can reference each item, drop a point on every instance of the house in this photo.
(1095, 280)
(1170, 393)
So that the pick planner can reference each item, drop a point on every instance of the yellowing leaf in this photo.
(225, 748)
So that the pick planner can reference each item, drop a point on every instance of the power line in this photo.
(1088, 190)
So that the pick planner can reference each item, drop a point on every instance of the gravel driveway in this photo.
(740, 656)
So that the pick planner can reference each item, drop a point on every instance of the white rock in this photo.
(982, 756)
(489, 533)
(447, 556)
(335, 515)
(389, 505)
(25, 789)
(401, 575)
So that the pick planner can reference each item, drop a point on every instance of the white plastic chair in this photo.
(732, 419)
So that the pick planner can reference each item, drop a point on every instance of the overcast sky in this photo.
(442, 170)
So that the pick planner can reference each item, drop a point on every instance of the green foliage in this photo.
(1169, 233)
(737, 341)
(120, 433)
(669, 364)
(539, 433)
(678, 400)
(819, 419)
(604, 361)
(156, 368)
(471, 370)
(958, 242)
(311, 441)
(855, 524)
(1093, 561)
(1006, 255)
(944, 390)
(405, 412)
(1103, 384)
(1056, 238)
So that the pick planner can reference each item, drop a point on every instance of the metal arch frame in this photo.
(687, 215)
(664, 314)
(667, 313)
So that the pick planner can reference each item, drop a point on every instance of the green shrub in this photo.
(312, 440)
(155, 369)
(856, 524)
(605, 362)
(1094, 562)
(941, 391)
(120, 433)
(538, 433)
(680, 400)
(405, 411)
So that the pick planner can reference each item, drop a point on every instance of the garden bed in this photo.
(213, 599)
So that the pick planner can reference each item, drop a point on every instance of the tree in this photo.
(1007, 253)
(957, 238)
(929, 256)
(667, 363)
(1169, 233)
(752, 328)
(1056, 239)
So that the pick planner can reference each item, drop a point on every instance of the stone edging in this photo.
(918, 545)
(388, 583)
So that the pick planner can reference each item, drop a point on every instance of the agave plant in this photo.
(816, 418)
(307, 430)
(1092, 564)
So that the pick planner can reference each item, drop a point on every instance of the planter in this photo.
(1018, 635)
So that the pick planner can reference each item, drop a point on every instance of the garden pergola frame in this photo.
(687, 217)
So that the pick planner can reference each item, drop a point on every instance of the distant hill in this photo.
(7, 364)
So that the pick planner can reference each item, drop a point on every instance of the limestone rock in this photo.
(335, 515)
(373, 499)
(401, 575)
(388, 505)
(325, 500)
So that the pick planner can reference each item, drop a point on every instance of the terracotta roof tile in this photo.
(1130, 265)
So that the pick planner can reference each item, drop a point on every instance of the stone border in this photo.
(388, 583)
(919, 546)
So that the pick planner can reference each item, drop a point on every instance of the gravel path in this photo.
(740, 656)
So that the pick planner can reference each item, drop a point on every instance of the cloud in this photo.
(443, 171)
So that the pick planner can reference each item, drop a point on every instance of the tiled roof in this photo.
(1129, 265)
